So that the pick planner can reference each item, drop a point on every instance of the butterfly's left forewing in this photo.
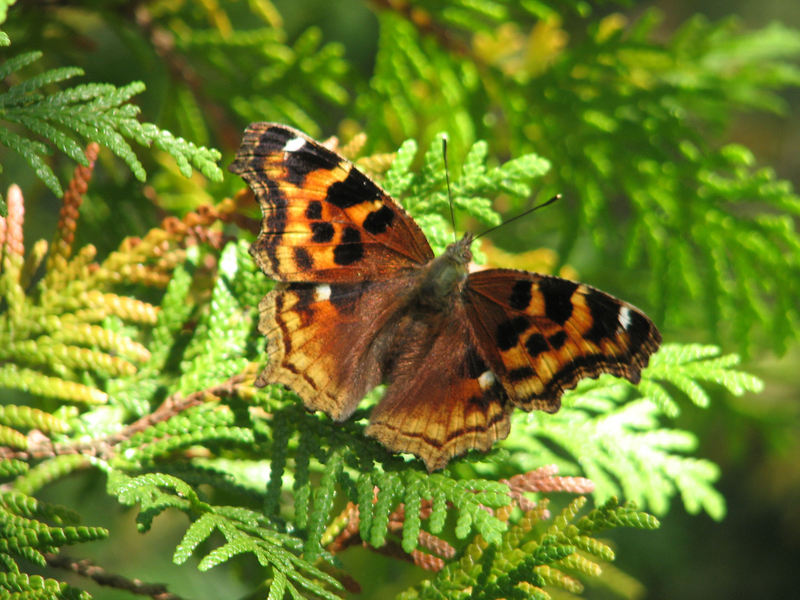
(543, 334)
(324, 220)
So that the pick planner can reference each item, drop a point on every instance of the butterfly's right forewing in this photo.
(543, 334)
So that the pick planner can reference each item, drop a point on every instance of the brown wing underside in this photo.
(323, 220)
(543, 334)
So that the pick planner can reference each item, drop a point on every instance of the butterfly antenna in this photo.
(520, 215)
(447, 178)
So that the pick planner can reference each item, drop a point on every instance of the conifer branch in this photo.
(105, 448)
(92, 112)
(61, 247)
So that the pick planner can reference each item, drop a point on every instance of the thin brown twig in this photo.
(86, 568)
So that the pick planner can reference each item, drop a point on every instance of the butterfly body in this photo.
(443, 278)
(362, 301)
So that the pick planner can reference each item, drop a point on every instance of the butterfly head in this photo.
(460, 252)
(446, 274)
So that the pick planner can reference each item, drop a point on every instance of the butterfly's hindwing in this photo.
(443, 398)
(322, 340)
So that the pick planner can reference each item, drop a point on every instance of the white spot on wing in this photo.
(322, 292)
(625, 317)
(486, 380)
(294, 144)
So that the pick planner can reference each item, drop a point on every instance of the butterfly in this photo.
(362, 300)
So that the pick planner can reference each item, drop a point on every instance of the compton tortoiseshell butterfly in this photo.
(362, 300)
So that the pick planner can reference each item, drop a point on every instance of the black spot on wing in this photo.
(520, 297)
(536, 344)
(273, 140)
(480, 401)
(310, 157)
(640, 331)
(321, 232)
(605, 316)
(475, 364)
(314, 210)
(303, 259)
(379, 220)
(508, 332)
(557, 298)
(520, 374)
(345, 296)
(557, 339)
(355, 189)
(305, 295)
(350, 249)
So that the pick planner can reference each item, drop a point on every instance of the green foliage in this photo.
(139, 364)
(533, 555)
(25, 536)
(275, 68)
(425, 194)
(94, 112)
(245, 531)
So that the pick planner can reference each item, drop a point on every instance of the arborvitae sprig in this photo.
(80, 340)
(25, 534)
(244, 531)
(533, 556)
(91, 112)
(425, 196)
(53, 327)
(59, 326)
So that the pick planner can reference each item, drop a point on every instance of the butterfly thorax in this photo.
(445, 275)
